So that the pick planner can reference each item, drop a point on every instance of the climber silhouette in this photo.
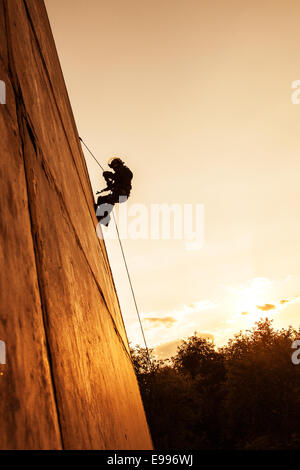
(119, 184)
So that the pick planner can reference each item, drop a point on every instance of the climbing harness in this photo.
(125, 261)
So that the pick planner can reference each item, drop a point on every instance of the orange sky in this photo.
(196, 95)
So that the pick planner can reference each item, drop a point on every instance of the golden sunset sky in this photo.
(196, 96)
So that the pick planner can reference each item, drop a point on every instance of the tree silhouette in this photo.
(245, 395)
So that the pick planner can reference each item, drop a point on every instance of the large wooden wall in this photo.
(69, 381)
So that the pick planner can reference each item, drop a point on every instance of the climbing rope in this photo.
(125, 263)
(91, 154)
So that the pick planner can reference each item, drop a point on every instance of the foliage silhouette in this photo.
(245, 395)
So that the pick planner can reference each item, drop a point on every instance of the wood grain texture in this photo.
(69, 380)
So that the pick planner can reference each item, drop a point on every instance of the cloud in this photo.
(166, 350)
(291, 300)
(177, 314)
(206, 336)
(257, 284)
(161, 321)
(278, 305)
(266, 307)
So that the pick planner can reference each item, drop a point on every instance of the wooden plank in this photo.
(28, 418)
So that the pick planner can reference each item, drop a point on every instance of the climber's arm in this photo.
(108, 176)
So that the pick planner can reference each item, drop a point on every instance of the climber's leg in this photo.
(103, 211)
(105, 205)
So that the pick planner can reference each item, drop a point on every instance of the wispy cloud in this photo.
(266, 307)
(161, 321)
(276, 305)
(179, 314)
(290, 300)
(168, 349)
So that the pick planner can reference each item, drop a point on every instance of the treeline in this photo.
(245, 395)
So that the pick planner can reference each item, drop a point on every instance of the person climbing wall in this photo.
(119, 184)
